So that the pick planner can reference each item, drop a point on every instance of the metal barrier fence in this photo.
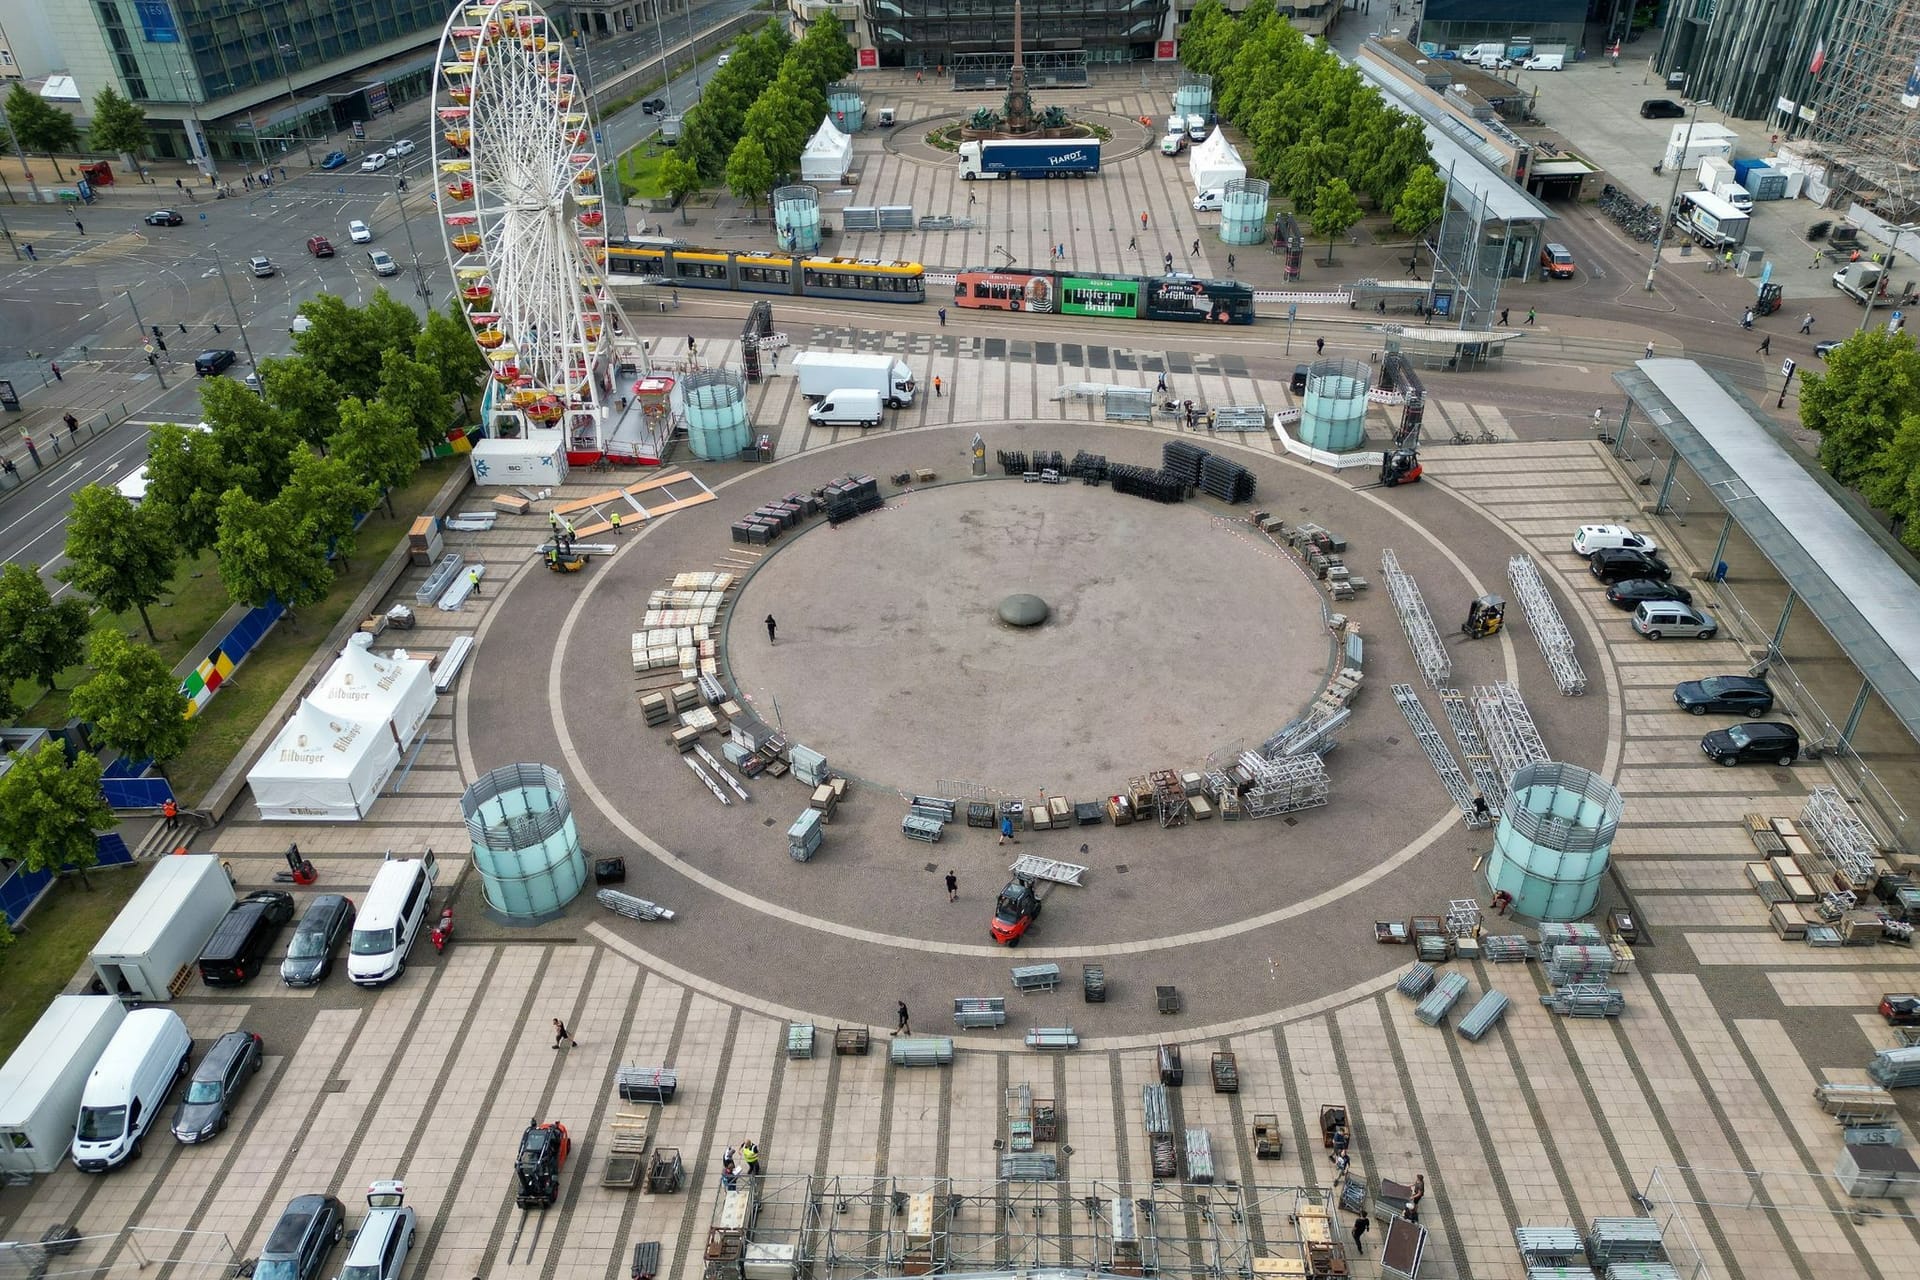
(124, 1254)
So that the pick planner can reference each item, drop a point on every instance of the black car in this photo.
(279, 905)
(310, 954)
(1763, 740)
(208, 1101)
(1634, 592)
(1618, 564)
(164, 218)
(653, 106)
(1662, 109)
(208, 363)
(1741, 695)
(306, 1233)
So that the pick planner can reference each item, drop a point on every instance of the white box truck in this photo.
(153, 943)
(824, 372)
(41, 1084)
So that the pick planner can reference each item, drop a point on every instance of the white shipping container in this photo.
(41, 1084)
(160, 932)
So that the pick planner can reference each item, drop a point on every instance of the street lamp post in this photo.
(140, 327)
(33, 188)
(666, 65)
(197, 144)
(406, 225)
(692, 47)
(1660, 235)
(281, 50)
(237, 321)
(1886, 272)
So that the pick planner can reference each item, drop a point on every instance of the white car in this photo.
(404, 147)
(725, 58)
(1590, 538)
(359, 232)
(374, 163)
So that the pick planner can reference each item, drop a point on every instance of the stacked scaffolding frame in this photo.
(1436, 747)
(1508, 727)
(1544, 620)
(1286, 785)
(1843, 838)
(1435, 663)
(1473, 749)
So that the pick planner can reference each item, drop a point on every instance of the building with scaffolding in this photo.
(973, 39)
(1863, 80)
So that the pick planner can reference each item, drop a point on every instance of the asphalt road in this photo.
(35, 527)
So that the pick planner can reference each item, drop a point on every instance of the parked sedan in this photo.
(1619, 564)
(1662, 109)
(1765, 740)
(208, 1102)
(1632, 593)
(334, 160)
(310, 954)
(1741, 695)
(164, 218)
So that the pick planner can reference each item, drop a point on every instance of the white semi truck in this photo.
(822, 373)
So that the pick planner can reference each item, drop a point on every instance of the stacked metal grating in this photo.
(1550, 1247)
(1896, 1068)
(1841, 836)
(1416, 981)
(1049, 460)
(1090, 467)
(1586, 1000)
(1227, 481)
(1580, 964)
(1012, 461)
(1183, 461)
(1506, 948)
(1157, 1115)
(1559, 1273)
(1029, 1168)
(921, 1051)
(625, 904)
(1142, 483)
(1611, 1240)
(1199, 1156)
(1445, 992)
(1642, 1271)
(1574, 934)
(1432, 947)
(1286, 785)
(1486, 1012)
(851, 496)
(1549, 629)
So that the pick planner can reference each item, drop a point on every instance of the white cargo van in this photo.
(1736, 195)
(1209, 201)
(128, 1088)
(392, 917)
(1196, 128)
(847, 407)
(41, 1085)
(1546, 62)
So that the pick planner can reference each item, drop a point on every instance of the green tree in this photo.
(781, 122)
(256, 439)
(132, 700)
(186, 474)
(119, 555)
(40, 126)
(394, 325)
(446, 346)
(50, 810)
(1892, 480)
(347, 343)
(1334, 211)
(39, 636)
(750, 173)
(268, 552)
(824, 51)
(325, 496)
(1870, 385)
(412, 390)
(119, 124)
(681, 177)
(304, 396)
(1422, 201)
(377, 445)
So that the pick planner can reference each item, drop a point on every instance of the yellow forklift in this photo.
(1484, 617)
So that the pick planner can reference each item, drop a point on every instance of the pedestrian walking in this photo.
(1133, 243)
(1819, 256)
(936, 386)
(1006, 829)
(1319, 346)
(1598, 416)
(31, 255)
(1230, 263)
(1746, 321)
(614, 520)
(80, 226)
(73, 423)
(943, 317)
(1162, 384)
(283, 170)
(1503, 316)
(1649, 350)
(1806, 323)
(750, 1156)
(1532, 315)
(953, 886)
(560, 1034)
(55, 366)
(1360, 1226)
(771, 626)
(1766, 345)
(971, 198)
(1340, 1163)
(473, 579)
(903, 1029)
(1193, 248)
(171, 812)
(1063, 251)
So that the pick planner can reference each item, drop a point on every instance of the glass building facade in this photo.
(929, 33)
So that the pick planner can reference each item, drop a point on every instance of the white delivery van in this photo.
(392, 917)
(1546, 62)
(149, 951)
(846, 407)
(1736, 195)
(1196, 128)
(127, 1090)
(1209, 201)
(41, 1085)
(824, 372)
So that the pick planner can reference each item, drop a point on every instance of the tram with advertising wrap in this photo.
(674, 264)
(1169, 297)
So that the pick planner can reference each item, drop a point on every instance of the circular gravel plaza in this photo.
(1172, 633)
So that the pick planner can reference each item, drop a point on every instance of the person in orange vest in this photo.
(171, 812)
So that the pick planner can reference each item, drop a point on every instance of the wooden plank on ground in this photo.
(582, 504)
(671, 477)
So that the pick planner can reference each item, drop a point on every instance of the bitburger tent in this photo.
(1214, 163)
(323, 768)
(396, 692)
(828, 155)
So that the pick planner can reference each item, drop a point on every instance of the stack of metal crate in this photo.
(1445, 992)
(1416, 982)
(1611, 1240)
(1896, 1068)
(1586, 1000)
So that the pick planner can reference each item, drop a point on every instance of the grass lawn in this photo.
(640, 171)
(54, 944)
(230, 719)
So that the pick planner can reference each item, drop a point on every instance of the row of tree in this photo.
(1315, 128)
(1866, 409)
(118, 124)
(756, 115)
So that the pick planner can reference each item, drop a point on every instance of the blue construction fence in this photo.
(21, 889)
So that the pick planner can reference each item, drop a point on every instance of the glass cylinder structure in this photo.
(1243, 211)
(1554, 838)
(525, 846)
(715, 404)
(1334, 414)
(796, 219)
(1194, 95)
(848, 108)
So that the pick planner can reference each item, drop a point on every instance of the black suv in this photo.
(1634, 592)
(1742, 695)
(1765, 740)
(1617, 564)
(216, 1082)
(653, 106)
(1662, 109)
(310, 954)
(306, 1233)
(219, 360)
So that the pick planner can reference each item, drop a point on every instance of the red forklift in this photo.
(1014, 912)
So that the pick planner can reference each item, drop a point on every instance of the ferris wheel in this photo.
(517, 185)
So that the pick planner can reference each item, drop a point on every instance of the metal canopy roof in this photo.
(1852, 575)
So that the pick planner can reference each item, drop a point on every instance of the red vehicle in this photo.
(320, 246)
(1014, 912)
(1900, 1009)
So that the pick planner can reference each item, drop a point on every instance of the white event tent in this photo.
(1214, 163)
(394, 692)
(828, 156)
(335, 754)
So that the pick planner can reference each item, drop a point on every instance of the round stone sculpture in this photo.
(1023, 611)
